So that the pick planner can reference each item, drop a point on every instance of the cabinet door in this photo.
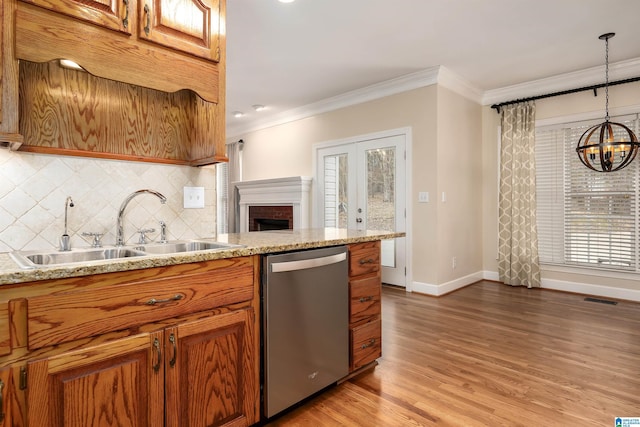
(5, 398)
(116, 383)
(111, 14)
(191, 26)
(210, 371)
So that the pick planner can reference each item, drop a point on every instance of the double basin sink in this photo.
(38, 259)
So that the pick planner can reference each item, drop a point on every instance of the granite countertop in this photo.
(262, 242)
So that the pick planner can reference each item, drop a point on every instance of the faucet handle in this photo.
(143, 235)
(97, 243)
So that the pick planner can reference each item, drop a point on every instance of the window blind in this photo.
(222, 197)
(585, 218)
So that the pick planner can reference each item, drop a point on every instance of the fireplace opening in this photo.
(264, 224)
(263, 218)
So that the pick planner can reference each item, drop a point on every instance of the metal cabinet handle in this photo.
(366, 299)
(156, 345)
(1, 401)
(125, 20)
(154, 301)
(371, 342)
(358, 220)
(172, 340)
(366, 261)
(146, 27)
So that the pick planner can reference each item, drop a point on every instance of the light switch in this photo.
(193, 197)
(423, 197)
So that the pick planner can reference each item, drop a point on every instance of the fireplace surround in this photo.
(272, 198)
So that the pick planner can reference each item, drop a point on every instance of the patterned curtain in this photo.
(518, 263)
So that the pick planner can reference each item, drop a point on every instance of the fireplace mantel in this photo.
(291, 191)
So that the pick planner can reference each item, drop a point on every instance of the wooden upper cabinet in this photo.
(191, 26)
(111, 14)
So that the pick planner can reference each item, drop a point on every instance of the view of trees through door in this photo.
(362, 186)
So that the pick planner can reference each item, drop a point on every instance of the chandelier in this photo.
(609, 146)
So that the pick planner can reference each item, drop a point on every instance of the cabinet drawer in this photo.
(5, 329)
(364, 258)
(57, 318)
(364, 295)
(366, 345)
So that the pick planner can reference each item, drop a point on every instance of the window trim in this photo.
(594, 270)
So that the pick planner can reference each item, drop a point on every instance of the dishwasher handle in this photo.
(304, 264)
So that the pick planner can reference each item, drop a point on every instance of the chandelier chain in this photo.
(606, 78)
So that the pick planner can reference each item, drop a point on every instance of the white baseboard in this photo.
(445, 288)
(580, 288)
(558, 285)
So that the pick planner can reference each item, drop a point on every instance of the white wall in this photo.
(439, 230)
(34, 187)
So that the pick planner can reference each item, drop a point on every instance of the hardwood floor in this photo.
(492, 355)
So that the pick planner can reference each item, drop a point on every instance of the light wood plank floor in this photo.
(492, 355)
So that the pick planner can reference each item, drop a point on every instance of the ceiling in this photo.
(288, 56)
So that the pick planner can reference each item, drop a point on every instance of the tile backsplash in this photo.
(34, 187)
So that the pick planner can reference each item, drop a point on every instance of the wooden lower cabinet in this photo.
(197, 373)
(5, 397)
(209, 371)
(365, 282)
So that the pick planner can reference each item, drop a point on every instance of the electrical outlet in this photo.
(454, 262)
(193, 197)
(423, 197)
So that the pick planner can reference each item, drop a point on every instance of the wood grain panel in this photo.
(105, 13)
(6, 390)
(5, 329)
(109, 384)
(54, 319)
(191, 26)
(213, 381)
(9, 133)
(366, 345)
(364, 258)
(364, 297)
(73, 110)
(42, 37)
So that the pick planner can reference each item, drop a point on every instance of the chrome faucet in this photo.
(65, 241)
(163, 232)
(123, 206)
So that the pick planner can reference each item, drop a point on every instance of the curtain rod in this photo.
(594, 88)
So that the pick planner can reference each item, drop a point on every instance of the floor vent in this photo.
(601, 301)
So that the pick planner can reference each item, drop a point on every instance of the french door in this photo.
(362, 186)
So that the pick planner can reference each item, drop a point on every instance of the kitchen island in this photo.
(168, 339)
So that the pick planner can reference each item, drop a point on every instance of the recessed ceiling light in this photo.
(286, 1)
(259, 107)
(237, 114)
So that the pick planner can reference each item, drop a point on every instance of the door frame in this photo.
(407, 133)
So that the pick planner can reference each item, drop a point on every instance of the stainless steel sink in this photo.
(182, 246)
(34, 259)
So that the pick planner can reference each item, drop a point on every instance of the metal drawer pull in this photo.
(146, 27)
(366, 261)
(1, 401)
(172, 340)
(176, 297)
(156, 345)
(365, 299)
(371, 342)
(125, 21)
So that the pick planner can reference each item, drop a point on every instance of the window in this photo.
(585, 218)
(222, 197)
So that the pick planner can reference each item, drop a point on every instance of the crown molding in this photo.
(457, 84)
(400, 84)
(577, 79)
(445, 77)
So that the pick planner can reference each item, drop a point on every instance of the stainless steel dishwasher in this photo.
(305, 299)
